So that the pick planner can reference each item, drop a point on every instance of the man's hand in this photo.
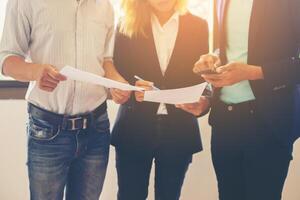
(139, 96)
(233, 73)
(196, 108)
(47, 77)
(207, 62)
(120, 96)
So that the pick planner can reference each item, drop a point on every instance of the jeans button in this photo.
(230, 108)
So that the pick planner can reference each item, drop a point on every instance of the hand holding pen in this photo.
(147, 85)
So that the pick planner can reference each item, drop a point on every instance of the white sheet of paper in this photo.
(79, 75)
(176, 96)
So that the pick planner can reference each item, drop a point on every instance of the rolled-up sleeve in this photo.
(110, 37)
(16, 33)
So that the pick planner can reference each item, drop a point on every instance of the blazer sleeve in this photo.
(205, 37)
(202, 35)
(283, 73)
(205, 50)
(122, 56)
(202, 40)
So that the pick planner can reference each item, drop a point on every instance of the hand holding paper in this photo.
(175, 96)
(139, 96)
(196, 108)
(79, 75)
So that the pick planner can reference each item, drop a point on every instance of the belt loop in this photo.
(84, 126)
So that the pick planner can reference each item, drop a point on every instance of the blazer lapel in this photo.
(222, 8)
(258, 12)
(152, 57)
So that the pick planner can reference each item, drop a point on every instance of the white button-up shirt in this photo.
(165, 38)
(61, 32)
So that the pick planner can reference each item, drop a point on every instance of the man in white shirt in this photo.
(68, 125)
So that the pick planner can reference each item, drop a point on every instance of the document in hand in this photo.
(79, 75)
(176, 96)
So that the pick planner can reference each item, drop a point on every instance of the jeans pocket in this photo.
(101, 124)
(41, 130)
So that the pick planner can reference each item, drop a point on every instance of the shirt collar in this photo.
(173, 18)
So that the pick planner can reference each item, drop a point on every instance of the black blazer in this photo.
(274, 43)
(135, 124)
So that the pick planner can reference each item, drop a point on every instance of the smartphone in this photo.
(208, 71)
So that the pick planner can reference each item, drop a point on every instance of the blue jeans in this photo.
(75, 160)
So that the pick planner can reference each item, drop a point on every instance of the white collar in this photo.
(173, 18)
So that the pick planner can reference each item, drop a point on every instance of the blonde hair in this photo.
(138, 15)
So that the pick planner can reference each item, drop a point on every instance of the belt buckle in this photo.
(73, 122)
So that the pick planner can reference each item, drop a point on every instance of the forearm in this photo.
(17, 68)
(255, 73)
(111, 71)
(117, 95)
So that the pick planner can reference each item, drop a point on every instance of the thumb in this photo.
(56, 75)
(223, 68)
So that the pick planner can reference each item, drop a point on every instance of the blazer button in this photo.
(230, 108)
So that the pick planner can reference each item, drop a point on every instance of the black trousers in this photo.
(249, 161)
(134, 169)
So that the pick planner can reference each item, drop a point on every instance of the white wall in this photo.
(200, 183)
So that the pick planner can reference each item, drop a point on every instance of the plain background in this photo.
(200, 182)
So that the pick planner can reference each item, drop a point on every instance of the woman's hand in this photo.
(120, 96)
(233, 73)
(196, 108)
(139, 96)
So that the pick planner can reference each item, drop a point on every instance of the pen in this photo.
(140, 79)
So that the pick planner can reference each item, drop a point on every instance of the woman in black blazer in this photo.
(145, 131)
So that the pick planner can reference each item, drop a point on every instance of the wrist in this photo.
(34, 71)
(256, 73)
(116, 77)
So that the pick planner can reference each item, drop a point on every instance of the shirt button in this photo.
(230, 108)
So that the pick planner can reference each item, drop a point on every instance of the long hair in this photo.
(137, 14)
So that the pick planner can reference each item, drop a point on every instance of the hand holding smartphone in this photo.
(209, 71)
(207, 64)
